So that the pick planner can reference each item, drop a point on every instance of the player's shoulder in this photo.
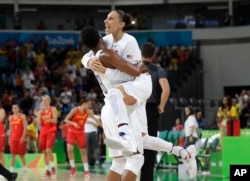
(128, 37)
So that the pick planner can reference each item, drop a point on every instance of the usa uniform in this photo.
(139, 87)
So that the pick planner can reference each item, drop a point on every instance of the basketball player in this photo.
(2, 135)
(76, 119)
(148, 141)
(47, 118)
(133, 163)
(17, 138)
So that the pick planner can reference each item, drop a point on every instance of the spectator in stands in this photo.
(245, 115)
(178, 125)
(226, 112)
(28, 79)
(227, 19)
(237, 107)
(190, 127)
(41, 26)
(17, 21)
(200, 119)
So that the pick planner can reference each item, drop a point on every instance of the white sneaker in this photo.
(120, 144)
(191, 161)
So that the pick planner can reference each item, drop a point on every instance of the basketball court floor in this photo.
(98, 173)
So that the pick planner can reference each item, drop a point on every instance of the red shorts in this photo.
(17, 147)
(47, 140)
(2, 143)
(79, 137)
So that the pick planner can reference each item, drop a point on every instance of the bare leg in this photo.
(113, 176)
(128, 176)
(2, 160)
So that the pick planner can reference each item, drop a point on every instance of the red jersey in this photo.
(46, 126)
(16, 124)
(2, 131)
(80, 118)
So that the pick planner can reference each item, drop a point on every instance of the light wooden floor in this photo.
(36, 174)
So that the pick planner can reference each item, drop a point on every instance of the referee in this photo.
(155, 105)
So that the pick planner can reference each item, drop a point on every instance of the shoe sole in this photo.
(192, 150)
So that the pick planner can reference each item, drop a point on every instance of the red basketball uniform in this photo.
(78, 134)
(17, 129)
(47, 134)
(2, 136)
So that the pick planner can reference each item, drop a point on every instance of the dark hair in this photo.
(148, 50)
(191, 110)
(126, 18)
(84, 99)
(89, 37)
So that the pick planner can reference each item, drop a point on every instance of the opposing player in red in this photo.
(47, 118)
(2, 136)
(17, 138)
(76, 119)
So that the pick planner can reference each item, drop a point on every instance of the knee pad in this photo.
(134, 163)
(118, 165)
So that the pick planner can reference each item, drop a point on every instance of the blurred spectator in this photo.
(180, 25)
(245, 116)
(237, 107)
(26, 102)
(17, 21)
(60, 27)
(178, 125)
(28, 79)
(199, 21)
(32, 133)
(41, 26)
(226, 112)
(227, 19)
(200, 119)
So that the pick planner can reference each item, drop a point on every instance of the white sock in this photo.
(47, 167)
(24, 168)
(72, 163)
(52, 164)
(12, 169)
(85, 166)
(158, 144)
(120, 111)
(180, 151)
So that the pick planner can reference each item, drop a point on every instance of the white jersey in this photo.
(111, 78)
(127, 47)
(141, 88)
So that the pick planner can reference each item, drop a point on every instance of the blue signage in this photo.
(62, 39)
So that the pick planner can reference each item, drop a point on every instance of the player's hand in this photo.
(143, 68)
(22, 139)
(97, 66)
(160, 109)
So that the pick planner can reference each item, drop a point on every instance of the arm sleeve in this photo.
(85, 59)
(132, 52)
(115, 75)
